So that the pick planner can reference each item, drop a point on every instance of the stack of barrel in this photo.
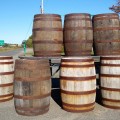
(32, 86)
(32, 77)
(107, 45)
(78, 41)
(78, 77)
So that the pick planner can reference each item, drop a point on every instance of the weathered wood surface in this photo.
(78, 35)
(110, 81)
(55, 59)
(6, 78)
(32, 87)
(47, 35)
(78, 84)
(106, 34)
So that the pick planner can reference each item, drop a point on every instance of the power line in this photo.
(28, 29)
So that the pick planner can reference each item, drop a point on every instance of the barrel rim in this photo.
(110, 100)
(32, 108)
(47, 29)
(47, 19)
(7, 73)
(24, 97)
(77, 14)
(8, 99)
(37, 58)
(47, 41)
(92, 91)
(29, 114)
(48, 14)
(105, 14)
(76, 58)
(111, 107)
(78, 111)
(6, 63)
(78, 105)
(5, 57)
(110, 57)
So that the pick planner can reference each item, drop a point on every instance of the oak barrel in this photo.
(78, 34)
(32, 87)
(106, 34)
(6, 78)
(110, 81)
(47, 35)
(78, 84)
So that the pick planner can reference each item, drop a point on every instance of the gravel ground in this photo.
(7, 110)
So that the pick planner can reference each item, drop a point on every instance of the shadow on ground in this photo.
(57, 96)
(56, 91)
(98, 96)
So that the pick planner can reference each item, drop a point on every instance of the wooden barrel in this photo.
(106, 34)
(6, 78)
(32, 87)
(78, 84)
(47, 35)
(78, 34)
(110, 81)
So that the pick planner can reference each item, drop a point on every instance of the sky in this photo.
(16, 16)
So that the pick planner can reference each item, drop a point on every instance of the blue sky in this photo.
(16, 16)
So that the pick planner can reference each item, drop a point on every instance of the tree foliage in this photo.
(29, 42)
(116, 8)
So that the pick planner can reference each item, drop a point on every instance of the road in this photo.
(13, 53)
(16, 53)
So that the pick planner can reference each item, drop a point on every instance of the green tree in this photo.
(29, 42)
(116, 8)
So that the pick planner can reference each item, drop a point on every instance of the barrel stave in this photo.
(110, 81)
(106, 34)
(78, 32)
(47, 32)
(6, 78)
(32, 87)
(78, 84)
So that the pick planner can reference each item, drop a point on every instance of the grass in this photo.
(5, 49)
(29, 54)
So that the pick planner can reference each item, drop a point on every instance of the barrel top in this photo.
(106, 14)
(77, 14)
(47, 15)
(5, 57)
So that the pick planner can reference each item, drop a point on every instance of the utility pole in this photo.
(42, 7)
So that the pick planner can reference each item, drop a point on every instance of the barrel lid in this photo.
(47, 15)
